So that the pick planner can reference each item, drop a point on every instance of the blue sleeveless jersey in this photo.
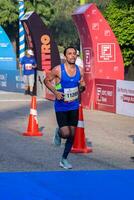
(69, 86)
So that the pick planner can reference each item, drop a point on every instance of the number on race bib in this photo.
(70, 94)
(28, 66)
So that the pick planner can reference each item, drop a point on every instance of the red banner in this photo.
(101, 52)
(105, 95)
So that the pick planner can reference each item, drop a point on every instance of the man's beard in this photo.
(71, 62)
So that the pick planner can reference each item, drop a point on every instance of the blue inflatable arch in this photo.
(9, 75)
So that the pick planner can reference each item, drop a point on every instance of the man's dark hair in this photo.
(70, 47)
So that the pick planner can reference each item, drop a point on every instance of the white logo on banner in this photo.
(87, 59)
(4, 44)
(94, 12)
(105, 94)
(107, 33)
(99, 90)
(116, 68)
(95, 26)
(3, 77)
(106, 52)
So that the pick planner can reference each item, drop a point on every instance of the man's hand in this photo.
(82, 85)
(34, 66)
(82, 88)
(59, 95)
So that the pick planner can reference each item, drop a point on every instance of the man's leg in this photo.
(31, 83)
(68, 145)
(132, 158)
(66, 131)
(25, 79)
(69, 141)
(62, 121)
(60, 133)
(57, 137)
(73, 120)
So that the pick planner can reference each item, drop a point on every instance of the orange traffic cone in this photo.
(79, 145)
(32, 129)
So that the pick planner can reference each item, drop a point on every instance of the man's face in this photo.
(71, 56)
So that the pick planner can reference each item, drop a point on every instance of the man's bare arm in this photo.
(55, 73)
(82, 85)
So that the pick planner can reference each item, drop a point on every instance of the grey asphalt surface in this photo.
(110, 135)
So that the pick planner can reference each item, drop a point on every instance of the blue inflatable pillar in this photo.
(9, 75)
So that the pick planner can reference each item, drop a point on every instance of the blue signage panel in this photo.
(10, 81)
(7, 54)
(9, 75)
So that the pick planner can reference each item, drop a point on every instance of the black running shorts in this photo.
(67, 118)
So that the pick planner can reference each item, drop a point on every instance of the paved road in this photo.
(110, 135)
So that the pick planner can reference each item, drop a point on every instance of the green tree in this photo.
(120, 15)
(57, 16)
(42, 7)
(101, 4)
(8, 19)
(8, 12)
(61, 23)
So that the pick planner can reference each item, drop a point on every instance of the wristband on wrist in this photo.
(82, 88)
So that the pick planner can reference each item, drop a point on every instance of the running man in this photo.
(28, 64)
(69, 82)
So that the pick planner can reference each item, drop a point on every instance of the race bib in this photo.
(70, 94)
(28, 66)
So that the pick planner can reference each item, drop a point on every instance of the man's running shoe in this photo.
(31, 93)
(132, 158)
(65, 164)
(57, 138)
(26, 92)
